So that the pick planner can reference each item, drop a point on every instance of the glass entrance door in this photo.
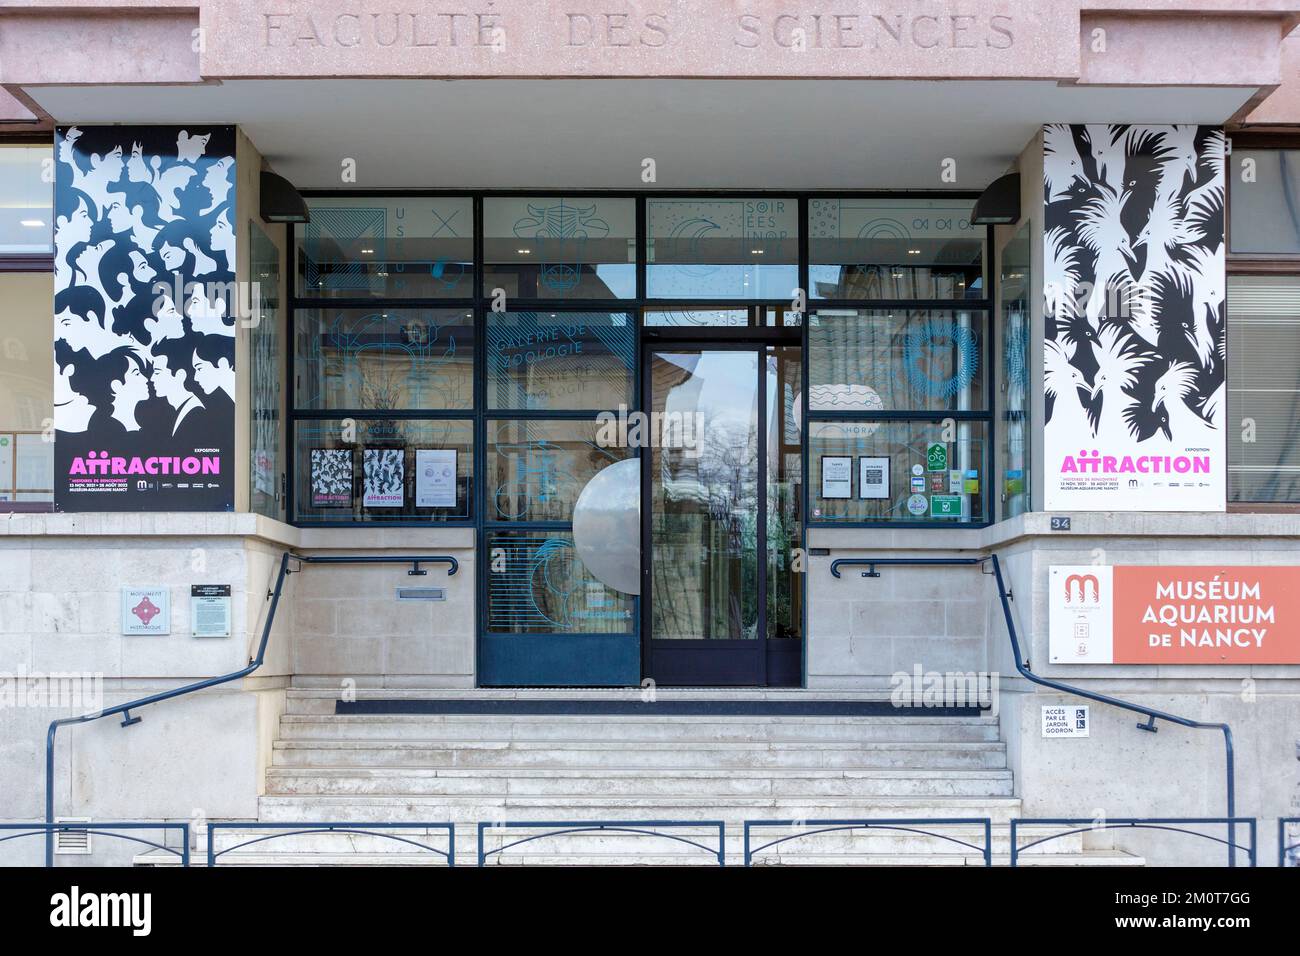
(725, 600)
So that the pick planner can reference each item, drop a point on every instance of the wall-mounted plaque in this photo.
(210, 610)
(146, 611)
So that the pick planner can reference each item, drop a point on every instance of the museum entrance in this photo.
(722, 528)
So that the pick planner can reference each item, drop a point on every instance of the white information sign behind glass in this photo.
(873, 477)
(837, 476)
(435, 478)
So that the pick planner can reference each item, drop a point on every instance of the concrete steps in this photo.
(570, 769)
(639, 730)
(323, 753)
(709, 785)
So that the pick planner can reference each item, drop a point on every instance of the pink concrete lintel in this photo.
(643, 38)
(1282, 106)
(1125, 50)
(108, 46)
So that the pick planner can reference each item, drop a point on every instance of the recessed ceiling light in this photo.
(524, 252)
(31, 223)
(756, 252)
(367, 252)
(913, 252)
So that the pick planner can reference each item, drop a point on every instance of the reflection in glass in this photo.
(1014, 438)
(330, 470)
(1264, 387)
(396, 246)
(537, 585)
(949, 486)
(550, 247)
(704, 488)
(560, 360)
(536, 469)
(722, 248)
(1264, 219)
(894, 249)
(784, 492)
(26, 200)
(265, 377)
(385, 358)
(895, 360)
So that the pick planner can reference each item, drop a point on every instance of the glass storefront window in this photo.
(265, 464)
(687, 318)
(536, 469)
(560, 360)
(536, 584)
(894, 249)
(404, 247)
(896, 360)
(552, 247)
(26, 200)
(724, 248)
(28, 389)
(1263, 214)
(1014, 436)
(384, 358)
(1263, 388)
(910, 471)
(380, 470)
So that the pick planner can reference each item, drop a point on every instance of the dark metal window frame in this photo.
(480, 305)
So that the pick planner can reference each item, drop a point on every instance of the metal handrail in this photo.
(104, 829)
(1167, 824)
(352, 829)
(806, 828)
(1150, 713)
(253, 664)
(554, 828)
(1282, 848)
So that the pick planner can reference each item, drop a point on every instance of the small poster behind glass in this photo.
(384, 477)
(331, 477)
(873, 477)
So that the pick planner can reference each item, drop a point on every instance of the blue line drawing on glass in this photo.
(331, 225)
(680, 265)
(566, 340)
(536, 478)
(448, 272)
(565, 229)
(412, 366)
(924, 348)
(545, 586)
(694, 230)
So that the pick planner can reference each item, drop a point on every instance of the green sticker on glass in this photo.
(936, 456)
(945, 506)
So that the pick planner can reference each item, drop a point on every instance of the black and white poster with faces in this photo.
(145, 306)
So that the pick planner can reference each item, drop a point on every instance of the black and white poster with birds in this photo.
(1134, 283)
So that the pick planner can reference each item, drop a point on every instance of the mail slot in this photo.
(421, 594)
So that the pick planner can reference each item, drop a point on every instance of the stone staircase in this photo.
(467, 768)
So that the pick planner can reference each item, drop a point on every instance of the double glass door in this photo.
(724, 606)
